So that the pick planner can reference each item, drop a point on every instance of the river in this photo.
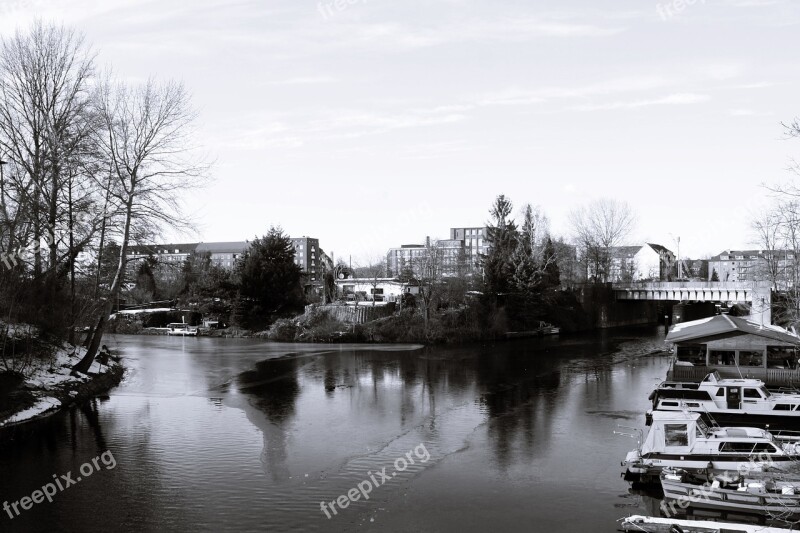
(209, 434)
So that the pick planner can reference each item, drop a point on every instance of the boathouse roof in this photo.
(724, 326)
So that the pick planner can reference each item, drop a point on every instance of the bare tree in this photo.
(45, 123)
(146, 138)
(374, 270)
(429, 267)
(597, 228)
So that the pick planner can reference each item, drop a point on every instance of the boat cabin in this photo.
(687, 433)
(736, 348)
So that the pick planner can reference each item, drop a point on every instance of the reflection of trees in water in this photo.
(273, 389)
(519, 399)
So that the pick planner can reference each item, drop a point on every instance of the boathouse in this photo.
(737, 348)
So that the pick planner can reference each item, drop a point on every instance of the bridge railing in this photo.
(676, 285)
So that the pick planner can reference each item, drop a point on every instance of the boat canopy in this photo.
(674, 431)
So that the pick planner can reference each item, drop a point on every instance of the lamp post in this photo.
(2, 182)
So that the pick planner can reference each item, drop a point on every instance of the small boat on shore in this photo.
(768, 494)
(543, 329)
(684, 440)
(652, 524)
(732, 402)
(181, 328)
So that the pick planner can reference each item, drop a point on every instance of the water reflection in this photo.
(244, 435)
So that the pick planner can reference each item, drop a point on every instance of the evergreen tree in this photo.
(502, 239)
(551, 276)
(269, 277)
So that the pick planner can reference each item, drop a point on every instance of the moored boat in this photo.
(181, 328)
(766, 494)
(731, 402)
(684, 440)
(652, 524)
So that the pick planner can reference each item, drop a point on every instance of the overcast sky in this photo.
(373, 123)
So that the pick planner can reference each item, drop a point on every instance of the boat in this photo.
(542, 329)
(652, 524)
(684, 440)
(732, 402)
(767, 494)
(181, 328)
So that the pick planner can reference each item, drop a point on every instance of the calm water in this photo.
(243, 435)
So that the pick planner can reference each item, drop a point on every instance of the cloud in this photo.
(748, 113)
(672, 99)
(307, 80)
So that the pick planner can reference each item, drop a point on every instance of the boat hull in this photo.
(708, 497)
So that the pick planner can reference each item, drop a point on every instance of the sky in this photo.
(374, 123)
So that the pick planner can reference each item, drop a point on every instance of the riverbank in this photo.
(47, 385)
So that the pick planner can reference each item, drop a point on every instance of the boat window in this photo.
(751, 393)
(781, 357)
(765, 392)
(692, 404)
(701, 425)
(722, 357)
(721, 391)
(736, 447)
(676, 435)
(782, 407)
(751, 358)
(669, 404)
(765, 447)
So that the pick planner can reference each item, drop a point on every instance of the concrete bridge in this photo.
(757, 294)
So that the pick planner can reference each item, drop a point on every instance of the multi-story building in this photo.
(633, 263)
(165, 254)
(308, 257)
(401, 261)
(475, 243)
(753, 265)
(223, 254)
(410, 259)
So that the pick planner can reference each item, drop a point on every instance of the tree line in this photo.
(89, 158)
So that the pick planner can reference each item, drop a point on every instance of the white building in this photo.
(380, 289)
(637, 263)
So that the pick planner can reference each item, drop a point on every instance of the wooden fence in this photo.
(773, 377)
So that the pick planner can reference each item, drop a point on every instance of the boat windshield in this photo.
(702, 428)
(765, 392)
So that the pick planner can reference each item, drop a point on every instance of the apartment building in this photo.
(223, 254)
(475, 243)
(752, 265)
(309, 257)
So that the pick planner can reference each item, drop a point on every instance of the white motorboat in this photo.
(684, 440)
(732, 402)
(181, 328)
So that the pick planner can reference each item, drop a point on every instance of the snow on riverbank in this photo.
(51, 383)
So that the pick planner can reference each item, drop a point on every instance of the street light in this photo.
(2, 182)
